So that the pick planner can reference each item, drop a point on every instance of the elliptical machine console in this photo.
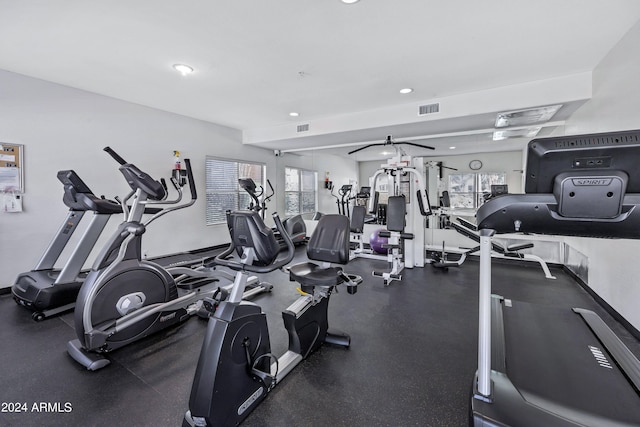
(236, 368)
(294, 225)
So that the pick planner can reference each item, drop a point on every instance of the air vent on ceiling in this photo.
(303, 128)
(428, 109)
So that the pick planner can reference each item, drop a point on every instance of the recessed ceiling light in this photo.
(349, 1)
(294, 114)
(406, 90)
(452, 148)
(183, 69)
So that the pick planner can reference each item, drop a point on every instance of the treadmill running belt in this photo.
(552, 356)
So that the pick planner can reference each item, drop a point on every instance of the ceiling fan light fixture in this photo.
(527, 116)
(183, 69)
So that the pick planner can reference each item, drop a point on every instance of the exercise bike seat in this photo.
(328, 244)
(312, 274)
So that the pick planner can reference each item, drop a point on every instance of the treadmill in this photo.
(47, 290)
(546, 366)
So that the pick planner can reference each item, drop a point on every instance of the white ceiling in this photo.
(340, 66)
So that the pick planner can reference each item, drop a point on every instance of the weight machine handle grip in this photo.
(421, 204)
(115, 155)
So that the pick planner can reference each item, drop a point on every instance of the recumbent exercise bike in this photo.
(236, 368)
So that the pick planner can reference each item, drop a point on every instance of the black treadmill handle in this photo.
(192, 182)
(115, 155)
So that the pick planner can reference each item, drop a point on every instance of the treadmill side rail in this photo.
(626, 360)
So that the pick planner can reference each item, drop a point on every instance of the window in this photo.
(300, 191)
(223, 191)
(466, 189)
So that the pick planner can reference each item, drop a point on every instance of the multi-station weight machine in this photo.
(405, 178)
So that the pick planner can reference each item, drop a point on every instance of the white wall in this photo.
(66, 128)
(613, 264)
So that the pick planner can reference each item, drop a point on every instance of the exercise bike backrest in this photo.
(255, 243)
(330, 240)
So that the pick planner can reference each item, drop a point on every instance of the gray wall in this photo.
(66, 128)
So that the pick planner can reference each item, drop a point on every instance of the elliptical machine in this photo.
(236, 368)
(126, 298)
(344, 200)
(294, 225)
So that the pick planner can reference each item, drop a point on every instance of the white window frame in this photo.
(479, 184)
(227, 195)
(300, 192)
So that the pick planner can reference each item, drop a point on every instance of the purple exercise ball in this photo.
(376, 242)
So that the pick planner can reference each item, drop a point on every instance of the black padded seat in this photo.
(312, 274)
(329, 243)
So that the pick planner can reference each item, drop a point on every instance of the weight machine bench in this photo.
(498, 251)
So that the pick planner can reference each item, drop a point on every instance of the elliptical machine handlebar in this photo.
(280, 262)
(266, 199)
(156, 191)
(164, 185)
(115, 155)
(191, 180)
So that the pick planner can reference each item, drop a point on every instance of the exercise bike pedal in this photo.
(210, 304)
(207, 308)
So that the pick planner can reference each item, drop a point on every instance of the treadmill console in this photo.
(580, 185)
